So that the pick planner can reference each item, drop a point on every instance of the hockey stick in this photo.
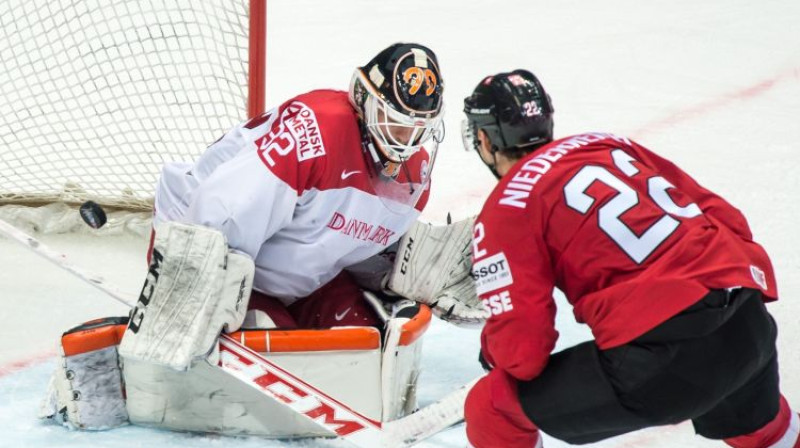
(286, 389)
(61, 261)
(428, 421)
(253, 369)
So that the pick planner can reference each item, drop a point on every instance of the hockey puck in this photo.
(93, 214)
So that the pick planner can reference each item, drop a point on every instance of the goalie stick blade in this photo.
(333, 416)
(428, 421)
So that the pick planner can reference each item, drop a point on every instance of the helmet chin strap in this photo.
(389, 168)
(492, 166)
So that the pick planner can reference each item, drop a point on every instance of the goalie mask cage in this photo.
(95, 95)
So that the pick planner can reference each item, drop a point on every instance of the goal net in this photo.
(95, 95)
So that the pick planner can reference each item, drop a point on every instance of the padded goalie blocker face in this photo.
(194, 289)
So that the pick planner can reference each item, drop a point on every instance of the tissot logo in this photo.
(491, 273)
(360, 230)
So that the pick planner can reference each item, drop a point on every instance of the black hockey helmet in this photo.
(408, 79)
(513, 109)
(398, 96)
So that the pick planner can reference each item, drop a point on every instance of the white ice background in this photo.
(712, 85)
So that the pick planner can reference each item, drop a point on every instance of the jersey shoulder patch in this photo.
(295, 132)
(307, 132)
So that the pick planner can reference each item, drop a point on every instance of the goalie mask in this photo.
(513, 110)
(398, 98)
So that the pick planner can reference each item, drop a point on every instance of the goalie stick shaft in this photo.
(428, 421)
(61, 261)
(285, 388)
(298, 395)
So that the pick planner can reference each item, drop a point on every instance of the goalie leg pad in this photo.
(86, 390)
(195, 288)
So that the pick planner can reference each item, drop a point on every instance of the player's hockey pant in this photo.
(715, 364)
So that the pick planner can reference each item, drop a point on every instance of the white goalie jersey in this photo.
(292, 190)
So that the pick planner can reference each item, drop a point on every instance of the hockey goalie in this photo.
(297, 235)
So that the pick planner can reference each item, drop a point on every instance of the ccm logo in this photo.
(498, 303)
(137, 315)
(309, 405)
(335, 417)
(406, 255)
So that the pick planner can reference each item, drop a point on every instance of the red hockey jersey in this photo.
(628, 237)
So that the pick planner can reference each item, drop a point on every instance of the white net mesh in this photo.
(58, 217)
(96, 94)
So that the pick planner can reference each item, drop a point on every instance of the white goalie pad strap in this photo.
(433, 266)
(194, 289)
(86, 392)
(400, 367)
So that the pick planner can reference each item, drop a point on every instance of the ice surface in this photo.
(713, 86)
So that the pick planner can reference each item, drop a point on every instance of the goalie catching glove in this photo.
(433, 267)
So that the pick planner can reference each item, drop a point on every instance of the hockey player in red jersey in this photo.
(665, 273)
(323, 182)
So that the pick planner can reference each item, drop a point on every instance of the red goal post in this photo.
(95, 96)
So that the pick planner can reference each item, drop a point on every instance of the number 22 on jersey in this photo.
(637, 247)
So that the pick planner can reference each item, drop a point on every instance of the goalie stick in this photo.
(285, 388)
(61, 261)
